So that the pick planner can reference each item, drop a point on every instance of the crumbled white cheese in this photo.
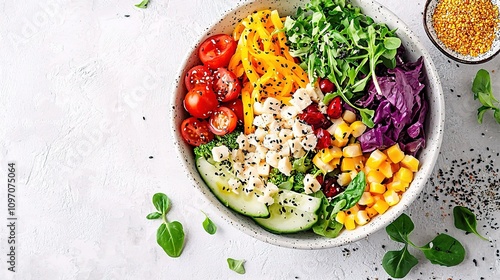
(311, 185)
(220, 153)
(301, 99)
(234, 185)
(284, 166)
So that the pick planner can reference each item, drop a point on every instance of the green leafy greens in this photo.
(143, 4)
(335, 40)
(442, 250)
(170, 235)
(481, 87)
(208, 225)
(228, 140)
(465, 220)
(236, 265)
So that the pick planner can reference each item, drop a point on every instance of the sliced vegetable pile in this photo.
(311, 122)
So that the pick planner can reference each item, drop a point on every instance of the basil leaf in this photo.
(153, 216)
(466, 220)
(481, 84)
(481, 87)
(236, 265)
(161, 203)
(143, 4)
(170, 236)
(444, 250)
(399, 263)
(353, 192)
(209, 226)
(327, 226)
(400, 229)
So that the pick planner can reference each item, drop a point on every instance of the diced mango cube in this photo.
(386, 169)
(342, 132)
(410, 162)
(398, 186)
(404, 174)
(377, 188)
(380, 206)
(375, 176)
(376, 158)
(395, 154)
(340, 217)
(335, 124)
(349, 222)
(358, 128)
(343, 179)
(371, 212)
(391, 197)
(325, 155)
(323, 166)
(366, 199)
(361, 218)
(340, 144)
(335, 162)
(352, 150)
(349, 116)
(347, 164)
(352, 210)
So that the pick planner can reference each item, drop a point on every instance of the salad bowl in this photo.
(434, 126)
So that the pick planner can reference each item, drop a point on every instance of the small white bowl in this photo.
(430, 7)
(307, 240)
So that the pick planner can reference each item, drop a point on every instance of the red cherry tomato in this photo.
(196, 131)
(237, 107)
(198, 75)
(324, 138)
(200, 102)
(326, 86)
(223, 121)
(334, 110)
(226, 85)
(217, 50)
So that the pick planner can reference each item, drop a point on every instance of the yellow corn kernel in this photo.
(334, 162)
(342, 132)
(358, 128)
(391, 197)
(395, 153)
(325, 167)
(371, 212)
(343, 179)
(375, 176)
(352, 150)
(340, 144)
(386, 169)
(361, 218)
(340, 217)
(352, 210)
(349, 116)
(376, 158)
(366, 199)
(325, 155)
(377, 188)
(397, 186)
(349, 222)
(410, 162)
(404, 174)
(380, 206)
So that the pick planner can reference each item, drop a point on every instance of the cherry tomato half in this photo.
(334, 110)
(226, 85)
(326, 86)
(222, 121)
(237, 107)
(217, 50)
(198, 75)
(200, 102)
(196, 131)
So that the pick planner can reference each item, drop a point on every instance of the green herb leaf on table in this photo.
(236, 265)
(170, 237)
(481, 87)
(399, 263)
(153, 216)
(465, 220)
(161, 203)
(209, 226)
(400, 229)
(143, 4)
(444, 250)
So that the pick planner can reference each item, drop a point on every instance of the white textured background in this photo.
(84, 92)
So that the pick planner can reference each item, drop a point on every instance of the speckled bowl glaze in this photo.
(308, 240)
(430, 6)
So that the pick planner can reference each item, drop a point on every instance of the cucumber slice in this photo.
(216, 176)
(291, 212)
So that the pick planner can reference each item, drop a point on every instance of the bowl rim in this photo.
(236, 219)
(446, 51)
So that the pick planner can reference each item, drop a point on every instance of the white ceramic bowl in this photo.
(308, 240)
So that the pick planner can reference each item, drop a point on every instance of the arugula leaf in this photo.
(400, 229)
(170, 236)
(399, 263)
(444, 250)
(143, 4)
(161, 203)
(236, 265)
(481, 87)
(465, 220)
(209, 226)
